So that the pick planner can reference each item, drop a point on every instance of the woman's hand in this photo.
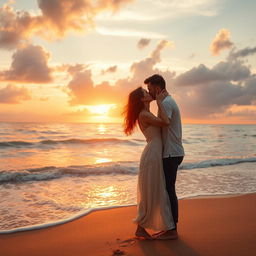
(161, 95)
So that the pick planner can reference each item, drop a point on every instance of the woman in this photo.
(153, 205)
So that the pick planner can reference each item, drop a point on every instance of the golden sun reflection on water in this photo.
(108, 192)
(102, 129)
(103, 160)
(106, 195)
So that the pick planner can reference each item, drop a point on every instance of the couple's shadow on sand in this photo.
(133, 246)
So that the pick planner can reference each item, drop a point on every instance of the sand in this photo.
(207, 226)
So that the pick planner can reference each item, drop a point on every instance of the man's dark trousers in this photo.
(170, 166)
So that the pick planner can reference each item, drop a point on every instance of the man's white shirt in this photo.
(172, 134)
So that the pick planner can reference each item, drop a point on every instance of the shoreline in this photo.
(207, 226)
(90, 211)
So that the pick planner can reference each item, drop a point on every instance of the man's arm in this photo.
(168, 109)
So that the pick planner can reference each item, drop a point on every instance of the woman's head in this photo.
(136, 103)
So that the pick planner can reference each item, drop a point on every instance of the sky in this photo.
(77, 61)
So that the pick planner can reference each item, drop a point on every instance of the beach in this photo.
(207, 226)
(108, 107)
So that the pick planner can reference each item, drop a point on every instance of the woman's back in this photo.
(152, 133)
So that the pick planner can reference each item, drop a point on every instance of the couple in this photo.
(157, 204)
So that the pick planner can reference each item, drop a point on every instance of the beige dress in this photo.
(153, 204)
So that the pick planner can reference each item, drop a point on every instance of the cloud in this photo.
(111, 69)
(57, 17)
(12, 94)
(232, 70)
(82, 90)
(164, 9)
(29, 64)
(223, 71)
(196, 75)
(207, 100)
(161, 45)
(242, 112)
(143, 42)
(15, 27)
(63, 15)
(204, 92)
(242, 53)
(146, 67)
(73, 69)
(113, 31)
(220, 42)
(79, 112)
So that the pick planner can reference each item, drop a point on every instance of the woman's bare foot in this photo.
(142, 233)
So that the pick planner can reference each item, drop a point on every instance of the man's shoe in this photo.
(167, 235)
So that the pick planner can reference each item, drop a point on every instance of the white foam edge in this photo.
(86, 212)
(50, 224)
(210, 195)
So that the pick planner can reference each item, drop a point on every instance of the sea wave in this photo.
(217, 162)
(53, 172)
(114, 168)
(112, 141)
(15, 144)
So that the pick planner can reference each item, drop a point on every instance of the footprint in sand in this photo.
(127, 242)
(118, 253)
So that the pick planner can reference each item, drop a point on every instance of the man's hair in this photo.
(156, 80)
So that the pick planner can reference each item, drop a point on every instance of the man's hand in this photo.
(161, 95)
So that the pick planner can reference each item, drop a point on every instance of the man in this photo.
(173, 151)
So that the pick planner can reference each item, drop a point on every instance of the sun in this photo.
(101, 110)
(100, 113)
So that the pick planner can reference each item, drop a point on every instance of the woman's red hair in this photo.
(132, 110)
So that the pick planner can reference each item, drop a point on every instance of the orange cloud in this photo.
(16, 27)
(56, 19)
(145, 67)
(245, 112)
(82, 90)
(221, 42)
(12, 94)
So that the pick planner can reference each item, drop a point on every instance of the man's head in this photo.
(156, 84)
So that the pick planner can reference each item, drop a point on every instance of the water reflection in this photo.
(103, 160)
(108, 192)
(102, 128)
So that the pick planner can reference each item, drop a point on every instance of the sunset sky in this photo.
(76, 61)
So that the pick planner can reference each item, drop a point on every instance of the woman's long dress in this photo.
(153, 204)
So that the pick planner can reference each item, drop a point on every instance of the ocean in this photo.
(51, 173)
